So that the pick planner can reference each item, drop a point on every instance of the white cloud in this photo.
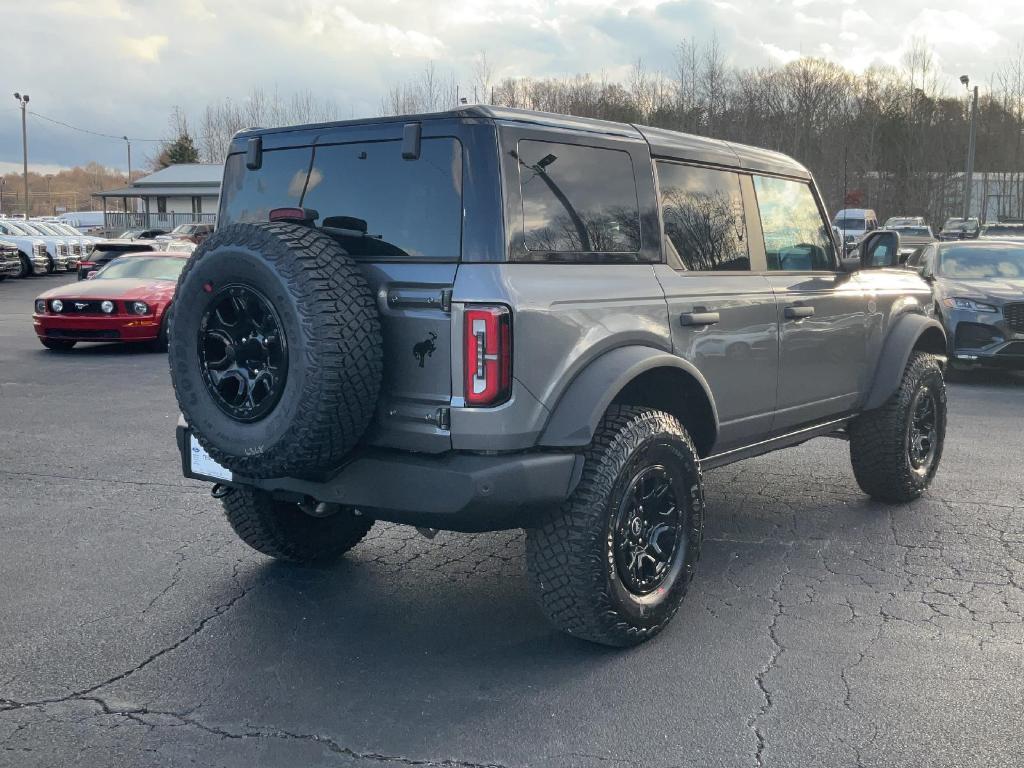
(144, 48)
(145, 56)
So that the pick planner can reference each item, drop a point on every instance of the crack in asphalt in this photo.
(197, 489)
(759, 678)
(219, 610)
(138, 715)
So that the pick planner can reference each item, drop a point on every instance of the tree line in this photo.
(892, 138)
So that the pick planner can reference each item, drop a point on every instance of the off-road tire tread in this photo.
(877, 451)
(282, 531)
(565, 554)
(344, 353)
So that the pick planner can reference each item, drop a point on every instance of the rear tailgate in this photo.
(401, 218)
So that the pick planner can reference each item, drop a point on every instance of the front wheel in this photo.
(58, 345)
(613, 564)
(284, 531)
(896, 449)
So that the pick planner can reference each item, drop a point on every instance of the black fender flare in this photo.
(583, 403)
(892, 361)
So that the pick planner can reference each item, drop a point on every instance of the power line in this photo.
(91, 133)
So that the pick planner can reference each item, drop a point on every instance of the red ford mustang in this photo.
(127, 300)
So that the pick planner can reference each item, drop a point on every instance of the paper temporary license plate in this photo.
(201, 463)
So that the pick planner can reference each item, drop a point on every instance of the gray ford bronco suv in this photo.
(490, 318)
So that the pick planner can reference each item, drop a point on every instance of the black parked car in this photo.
(108, 250)
(979, 296)
(142, 234)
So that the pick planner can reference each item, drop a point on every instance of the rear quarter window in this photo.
(577, 199)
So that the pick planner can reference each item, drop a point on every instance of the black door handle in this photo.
(699, 318)
(798, 311)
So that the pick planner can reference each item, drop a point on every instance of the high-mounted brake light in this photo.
(488, 355)
(298, 215)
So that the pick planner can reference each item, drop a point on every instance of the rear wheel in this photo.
(284, 531)
(896, 449)
(58, 345)
(613, 564)
(159, 344)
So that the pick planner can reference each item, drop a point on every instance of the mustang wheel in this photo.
(614, 563)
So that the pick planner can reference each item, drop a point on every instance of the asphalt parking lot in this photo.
(822, 629)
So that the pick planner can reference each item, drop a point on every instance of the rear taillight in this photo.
(87, 263)
(488, 355)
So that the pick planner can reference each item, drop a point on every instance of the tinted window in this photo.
(850, 223)
(915, 231)
(795, 236)
(578, 199)
(703, 213)
(366, 196)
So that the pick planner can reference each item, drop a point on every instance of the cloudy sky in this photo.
(119, 66)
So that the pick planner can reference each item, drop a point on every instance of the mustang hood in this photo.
(121, 288)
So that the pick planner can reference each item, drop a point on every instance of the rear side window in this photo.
(578, 199)
(370, 199)
(796, 237)
(703, 213)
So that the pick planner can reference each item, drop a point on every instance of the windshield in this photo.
(145, 267)
(15, 229)
(30, 229)
(849, 223)
(982, 262)
(915, 231)
(46, 229)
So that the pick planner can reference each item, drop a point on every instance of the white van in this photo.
(83, 221)
(854, 223)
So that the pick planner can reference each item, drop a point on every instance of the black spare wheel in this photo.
(275, 349)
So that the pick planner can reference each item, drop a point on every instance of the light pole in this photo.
(129, 158)
(3, 183)
(49, 194)
(23, 102)
(969, 174)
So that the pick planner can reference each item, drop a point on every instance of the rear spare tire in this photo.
(275, 349)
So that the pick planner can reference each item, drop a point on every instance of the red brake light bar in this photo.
(488, 355)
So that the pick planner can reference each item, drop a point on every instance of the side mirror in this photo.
(879, 249)
(849, 264)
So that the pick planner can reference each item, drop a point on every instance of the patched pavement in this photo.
(822, 628)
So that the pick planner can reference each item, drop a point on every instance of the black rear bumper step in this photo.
(453, 491)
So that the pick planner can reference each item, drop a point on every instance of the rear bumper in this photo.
(454, 491)
(96, 328)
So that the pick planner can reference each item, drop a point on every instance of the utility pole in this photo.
(3, 183)
(129, 158)
(23, 102)
(49, 193)
(969, 174)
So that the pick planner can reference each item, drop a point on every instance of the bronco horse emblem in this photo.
(425, 348)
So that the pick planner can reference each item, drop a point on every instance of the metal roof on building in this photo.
(184, 179)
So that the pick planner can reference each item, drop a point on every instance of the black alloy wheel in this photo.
(922, 429)
(243, 353)
(649, 528)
